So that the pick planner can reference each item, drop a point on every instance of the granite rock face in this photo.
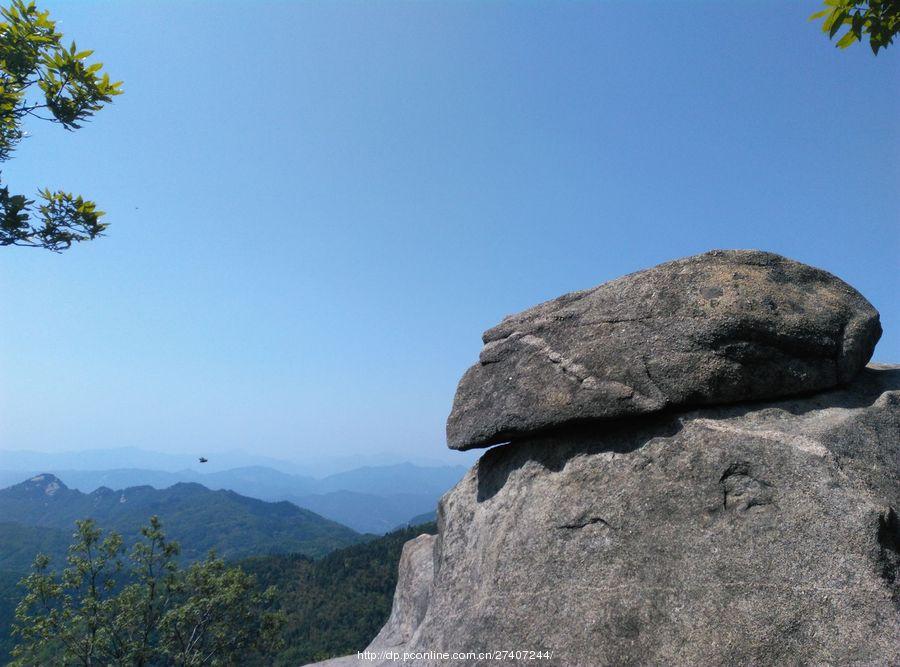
(650, 508)
(720, 327)
(757, 534)
(411, 595)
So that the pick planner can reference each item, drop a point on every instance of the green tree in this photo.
(878, 19)
(218, 619)
(98, 612)
(40, 78)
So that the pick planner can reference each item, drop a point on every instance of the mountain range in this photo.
(133, 457)
(42, 511)
(37, 515)
(321, 465)
(372, 499)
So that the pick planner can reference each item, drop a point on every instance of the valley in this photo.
(284, 528)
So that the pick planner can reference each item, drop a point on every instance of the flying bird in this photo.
(203, 460)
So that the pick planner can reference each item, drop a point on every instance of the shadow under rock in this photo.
(861, 392)
(554, 447)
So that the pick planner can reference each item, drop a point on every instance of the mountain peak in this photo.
(47, 483)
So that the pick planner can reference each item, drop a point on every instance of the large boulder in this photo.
(753, 534)
(411, 595)
(720, 327)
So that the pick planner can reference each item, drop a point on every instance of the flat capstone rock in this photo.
(716, 328)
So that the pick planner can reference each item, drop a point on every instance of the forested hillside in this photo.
(199, 519)
(334, 605)
(10, 593)
(19, 544)
(337, 604)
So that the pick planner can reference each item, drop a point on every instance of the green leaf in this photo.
(846, 40)
(837, 23)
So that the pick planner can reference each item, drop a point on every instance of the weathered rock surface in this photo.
(411, 595)
(720, 327)
(752, 534)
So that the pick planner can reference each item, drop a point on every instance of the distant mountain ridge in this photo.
(427, 517)
(200, 519)
(320, 466)
(133, 457)
(372, 499)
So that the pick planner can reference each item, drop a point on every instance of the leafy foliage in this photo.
(879, 19)
(331, 606)
(41, 78)
(97, 612)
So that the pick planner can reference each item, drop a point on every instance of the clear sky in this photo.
(316, 208)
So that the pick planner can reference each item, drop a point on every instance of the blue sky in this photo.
(316, 208)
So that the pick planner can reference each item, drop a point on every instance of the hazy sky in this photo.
(316, 208)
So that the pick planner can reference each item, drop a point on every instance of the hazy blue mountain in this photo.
(260, 481)
(197, 517)
(373, 499)
(399, 478)
(254, 481)
(366, 512)
(10, 477)
(133, 457)
(419, 519)
(121, 478)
